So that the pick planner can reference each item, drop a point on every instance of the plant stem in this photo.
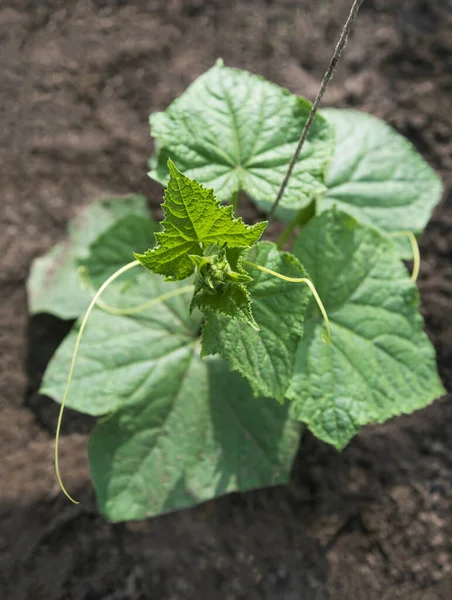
(302, 217)
(235, 200)
(285, 235)
(323, 86)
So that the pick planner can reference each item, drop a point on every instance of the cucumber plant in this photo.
(212, 348)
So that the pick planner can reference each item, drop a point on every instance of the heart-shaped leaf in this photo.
(380, 363)
(115, 247)
(231, 131)
(377, 176)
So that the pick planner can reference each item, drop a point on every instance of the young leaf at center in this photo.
(220, 285)
(194, 219)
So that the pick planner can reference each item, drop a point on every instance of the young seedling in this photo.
(205, 366)
(202, 241)
(199, 237)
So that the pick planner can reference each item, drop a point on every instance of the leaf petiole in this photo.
(235, 201)
(311, 286)
(301, 218)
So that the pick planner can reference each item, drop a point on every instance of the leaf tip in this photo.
(254, 325)
(172, 167)
(143, 259)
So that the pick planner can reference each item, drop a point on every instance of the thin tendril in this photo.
(113, 310)
(309, 283)
(93, 303)
(323, 86)
(415, 248)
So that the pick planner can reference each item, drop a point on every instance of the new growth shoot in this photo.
(199, 236)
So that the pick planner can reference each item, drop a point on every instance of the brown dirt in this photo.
(79, 79)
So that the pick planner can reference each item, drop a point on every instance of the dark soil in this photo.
(78, 80)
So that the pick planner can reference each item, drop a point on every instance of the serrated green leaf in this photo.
(377, 176)
(115, 247)
(380, 363)
(53, 285)
(181, 430)
(194, 219)
(266, 357)
(232, 131)
(234, 303)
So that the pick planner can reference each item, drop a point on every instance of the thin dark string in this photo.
(325, 82)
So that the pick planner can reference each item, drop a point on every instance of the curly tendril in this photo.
(133, 310)
(310, 285)
(415, 248)
(110, 309)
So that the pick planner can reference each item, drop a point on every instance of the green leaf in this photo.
(232, 131)
(53, 285)
(380, 363)
(219, 285)
(193, 218)
(123, 357)
(179, 430)
(266, 357)
(206, 438)
(377, 176)
(116, 246)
